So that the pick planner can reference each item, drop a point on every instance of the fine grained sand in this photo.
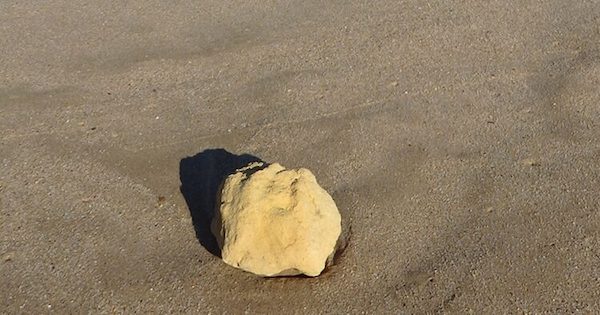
(459, 140)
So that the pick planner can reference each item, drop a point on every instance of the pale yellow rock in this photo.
(276, 222)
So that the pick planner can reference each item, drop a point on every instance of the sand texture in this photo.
(460, 140)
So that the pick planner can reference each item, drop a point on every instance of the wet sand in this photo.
(459, 140)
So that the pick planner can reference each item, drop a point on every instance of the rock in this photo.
(276, 222)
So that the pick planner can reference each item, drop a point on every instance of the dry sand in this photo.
(460, 139)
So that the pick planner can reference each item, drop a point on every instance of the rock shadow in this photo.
(201, 176)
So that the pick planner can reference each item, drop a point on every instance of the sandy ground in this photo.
(460, 140)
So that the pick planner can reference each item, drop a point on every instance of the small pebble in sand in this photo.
(161, 201)
(531, 162)
(8, 256)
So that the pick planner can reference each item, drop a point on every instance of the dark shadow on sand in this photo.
(201, 176)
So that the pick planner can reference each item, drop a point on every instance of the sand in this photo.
(459, 140)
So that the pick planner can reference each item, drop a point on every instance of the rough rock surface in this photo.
(276, 222)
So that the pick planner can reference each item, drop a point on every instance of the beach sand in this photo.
(458, 138)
